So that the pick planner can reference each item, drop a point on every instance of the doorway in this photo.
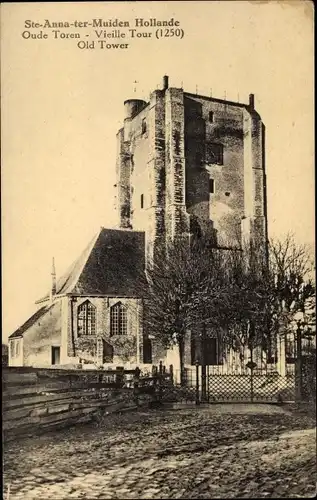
(56, 355)
(211, 351)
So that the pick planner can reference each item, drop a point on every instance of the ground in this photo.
(219, 451)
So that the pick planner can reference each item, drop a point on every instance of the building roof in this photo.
(111, 264)
(31, 321)
(224, 101)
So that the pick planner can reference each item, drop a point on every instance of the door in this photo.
(147, 350)
(211, 351)
(56, 353)
(107, 352)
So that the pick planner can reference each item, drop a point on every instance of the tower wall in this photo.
(177, 219)
(185, 159)
(254, 224)
(156, 172)
(214, 154)
(123, 173)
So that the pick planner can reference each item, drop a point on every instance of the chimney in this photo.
(53, 274)
(251, 101)
(165, 82)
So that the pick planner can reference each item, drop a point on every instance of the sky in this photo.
(61, 107)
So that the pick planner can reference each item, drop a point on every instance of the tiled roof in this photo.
(31, 321)
(110, 265)
(68, 279)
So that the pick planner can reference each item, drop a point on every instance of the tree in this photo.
(186, 290)
(249, 299)
(243, 294)
(291, 267)
(268, 289)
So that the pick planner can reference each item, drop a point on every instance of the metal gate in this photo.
(249, 387)
(219, 384)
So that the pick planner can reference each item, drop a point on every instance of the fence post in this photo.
(120, 376)
(160, 379)
(208, 394)
(203, 364)
(136, 380)
(252, 368)
(197, 382)
(172, 374)
(251, 385)
(299, 365)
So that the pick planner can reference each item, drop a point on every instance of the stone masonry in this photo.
(188, 160)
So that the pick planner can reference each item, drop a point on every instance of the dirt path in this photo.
(223, 451)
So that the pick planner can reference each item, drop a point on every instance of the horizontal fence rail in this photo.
(42, 399)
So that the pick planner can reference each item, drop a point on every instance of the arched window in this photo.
(118, 320)
(86, 319)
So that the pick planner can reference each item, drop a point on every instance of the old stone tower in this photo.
(188, 162)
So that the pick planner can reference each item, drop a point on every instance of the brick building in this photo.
(185, 163)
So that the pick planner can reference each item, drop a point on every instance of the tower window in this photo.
(143, 125)
(211, 116)
(118, 320)
(211, 186)
(86, 319)
(214, 153)
(142, 200)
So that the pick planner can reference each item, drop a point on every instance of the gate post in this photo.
(208, 392)
(251, 365)
(203, 382)
(299, 365)
(251, 385)
(203, 364)
(197, 383)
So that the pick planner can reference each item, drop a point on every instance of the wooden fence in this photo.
(39, 399)
(42, 399)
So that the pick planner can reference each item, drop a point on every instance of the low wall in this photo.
(38, 399)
